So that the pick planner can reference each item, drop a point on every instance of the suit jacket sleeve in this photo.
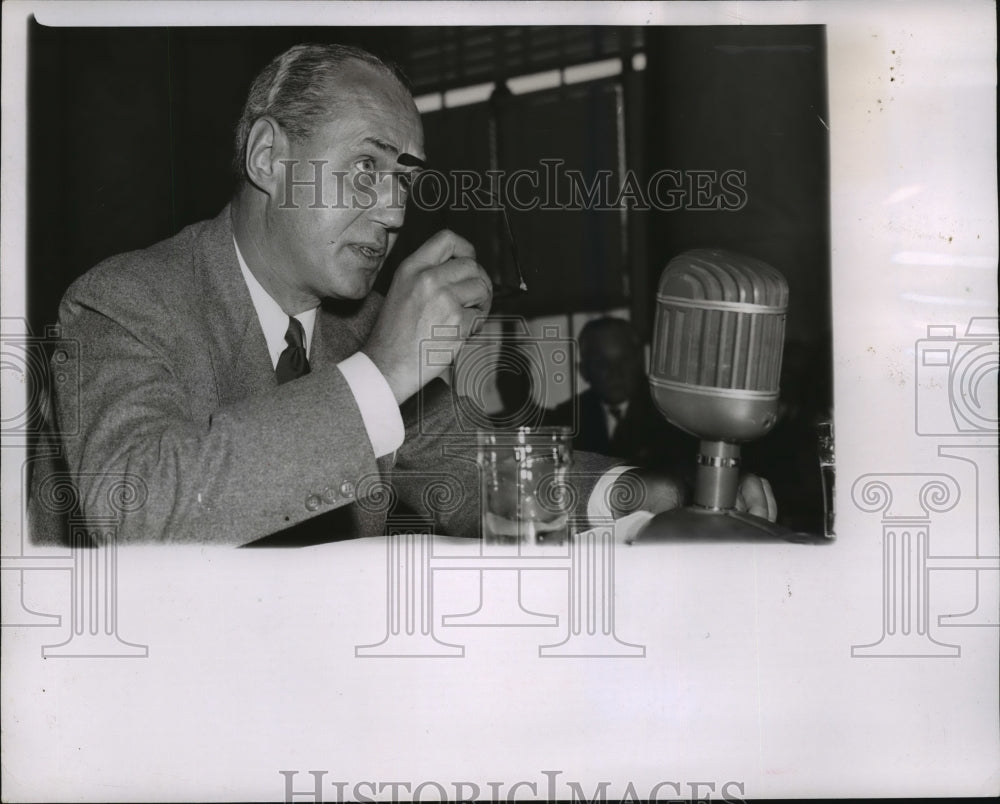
(172, 473)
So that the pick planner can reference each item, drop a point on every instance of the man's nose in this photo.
(390, 204)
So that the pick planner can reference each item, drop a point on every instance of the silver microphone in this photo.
(716, 363)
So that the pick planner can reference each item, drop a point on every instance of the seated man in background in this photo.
(616, 415)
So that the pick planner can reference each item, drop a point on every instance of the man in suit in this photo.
(242, 376)
(616, 415)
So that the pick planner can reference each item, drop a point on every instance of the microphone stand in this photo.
(712, 516)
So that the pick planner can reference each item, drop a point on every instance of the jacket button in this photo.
(312, 502)
(347, 488)
(328, 496)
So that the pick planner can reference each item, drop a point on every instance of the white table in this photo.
(735, 670)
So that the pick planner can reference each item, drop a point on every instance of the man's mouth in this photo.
(370, 252)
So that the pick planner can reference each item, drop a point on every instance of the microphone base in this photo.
(694, 524)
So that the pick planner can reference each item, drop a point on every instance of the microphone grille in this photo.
(720, 322)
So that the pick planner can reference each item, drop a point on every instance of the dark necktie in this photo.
(293, 362)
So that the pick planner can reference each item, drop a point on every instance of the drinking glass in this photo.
(526, 498)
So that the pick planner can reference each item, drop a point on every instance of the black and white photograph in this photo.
(466, 402)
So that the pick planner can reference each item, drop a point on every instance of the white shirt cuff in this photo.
(377, 403)
(598, 509)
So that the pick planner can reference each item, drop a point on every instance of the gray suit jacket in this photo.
(185, 435)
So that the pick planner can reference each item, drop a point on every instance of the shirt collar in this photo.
(622, 407)
(273, 320)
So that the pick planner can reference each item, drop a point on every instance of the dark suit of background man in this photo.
(616, 415)
(244, 370)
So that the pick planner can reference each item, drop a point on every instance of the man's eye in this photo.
(365, 165)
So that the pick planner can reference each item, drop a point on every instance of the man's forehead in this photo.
(387, 142)
(375, 110)
(363, 121)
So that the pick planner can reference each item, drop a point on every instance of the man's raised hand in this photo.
(439, 288)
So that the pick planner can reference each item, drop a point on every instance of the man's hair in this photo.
(294, 89)
(595, 330)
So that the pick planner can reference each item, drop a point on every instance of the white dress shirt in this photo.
(375, 399)
(611, 422)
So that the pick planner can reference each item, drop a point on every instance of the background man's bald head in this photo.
(606, 330)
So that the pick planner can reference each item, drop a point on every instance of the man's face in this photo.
(612, 366)
(334, 226)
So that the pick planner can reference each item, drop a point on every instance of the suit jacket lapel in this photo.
(332, 341)
(240, 359)
(341, 329)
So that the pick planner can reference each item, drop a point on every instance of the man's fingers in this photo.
(441, 247)
(473, 292)
(466, 279)
(772, 504)
(456, 269)
(756, 497)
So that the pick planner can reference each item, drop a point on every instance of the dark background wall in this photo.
(755, 100)
(130, 140)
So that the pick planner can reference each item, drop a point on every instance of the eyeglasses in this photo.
(501, 292)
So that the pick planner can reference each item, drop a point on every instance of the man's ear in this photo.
(267, 145)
